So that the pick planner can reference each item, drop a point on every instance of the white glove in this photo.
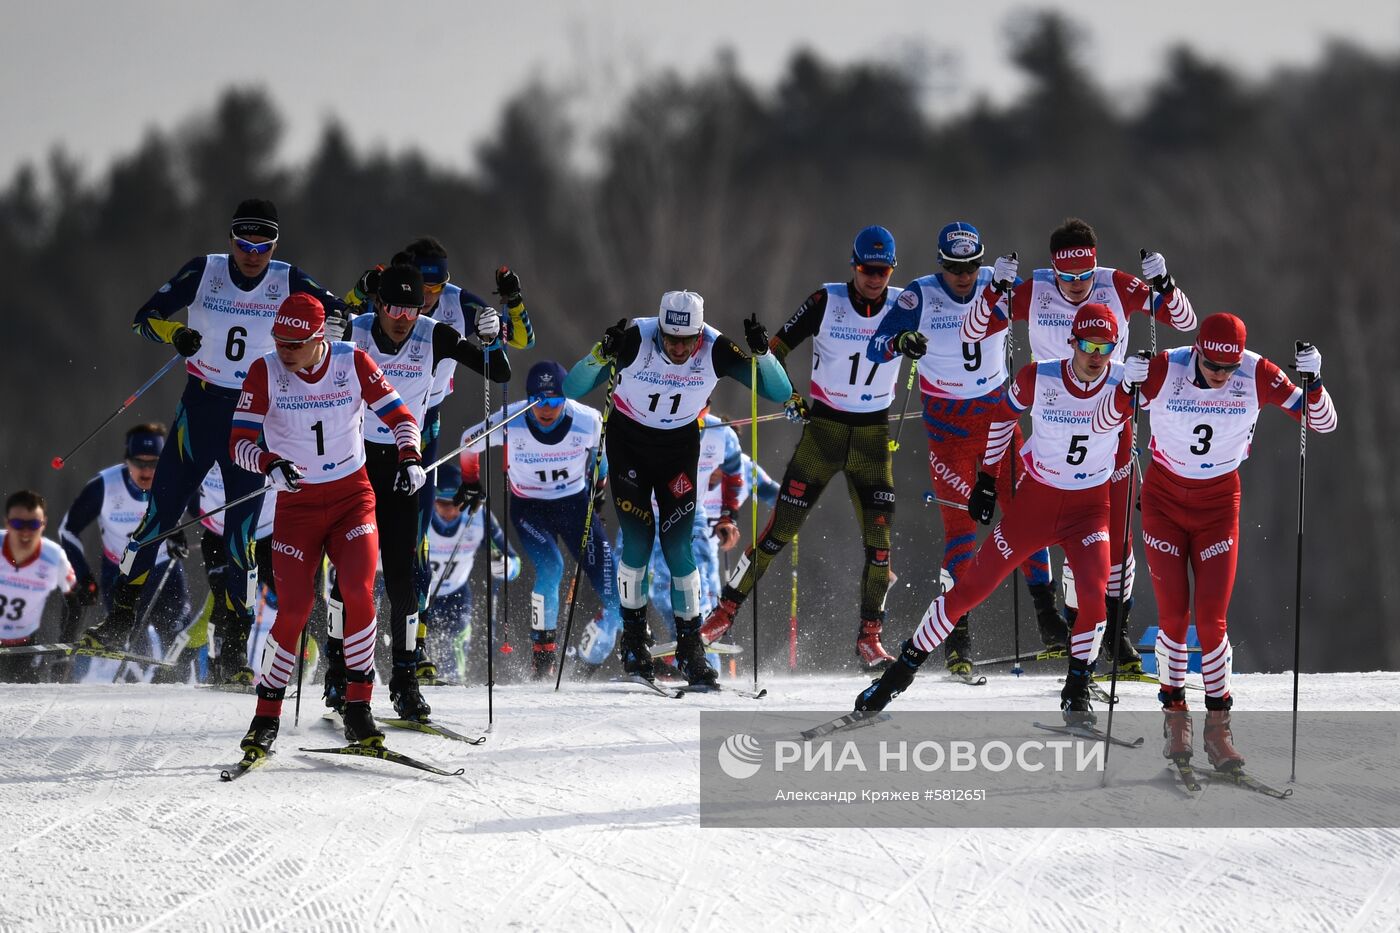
(1154, 267)
(1004, 271)
(1308, 359)
(1135, 369)
(488, 325)
(410, 477)
(504, 570)
(284, 475)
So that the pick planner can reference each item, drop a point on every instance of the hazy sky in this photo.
(431, 74)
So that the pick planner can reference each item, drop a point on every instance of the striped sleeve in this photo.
(1003, 418)
(988, 314)
(248, 417)
(1172, 307)
(1275, 388)
(520, 334)
(383, 399)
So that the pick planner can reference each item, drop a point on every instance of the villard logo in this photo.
(740, 756)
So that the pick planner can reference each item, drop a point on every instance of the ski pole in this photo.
(792, 612)
(904, 412)
(447, 567)
(1151, 311)
(753, 501)
(486, 537)
(931, 499)
(1016, 669)
(301, 668)
(587, 523)
(505, 526)
(58, 462)
(1118, 621)
(1298, 571)
(478, 436)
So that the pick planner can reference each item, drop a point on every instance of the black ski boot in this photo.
(635, 645)
(957, 648)
(894, 681)
(1054, 633)
(424, 668)
(113, 632)
(262, 732)
(334, 686)
(1129, 661)
(690, 654)
(403, 690)
(359, 725)
(1074, 696)
(543, 652)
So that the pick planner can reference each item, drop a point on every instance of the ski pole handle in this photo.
(58, 462)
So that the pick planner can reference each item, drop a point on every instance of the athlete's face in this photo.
(548, 411)
(142, 471)
(960, 277)
(301, 355)
(250, 264)
(1089, 366)
(1215, 378)
(871, 279)
(24, 539)
(398, 328)
(1076, 291)
(679, 349)
(446, 510)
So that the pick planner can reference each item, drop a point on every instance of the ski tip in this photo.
(226, 775)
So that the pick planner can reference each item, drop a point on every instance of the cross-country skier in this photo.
(408, 345)
(1203, 402)
(845, 430)
(961, 384)
(232, 298)
(31, 567)
(666, 367)
(1048, 306)
(300, 423)
(551, 450)
(1061, 498)
(116, 499)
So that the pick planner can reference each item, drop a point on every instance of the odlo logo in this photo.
(740, 756)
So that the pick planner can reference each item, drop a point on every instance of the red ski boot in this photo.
(872, 654)
(720, 620)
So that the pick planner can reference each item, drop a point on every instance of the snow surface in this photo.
(581, 812)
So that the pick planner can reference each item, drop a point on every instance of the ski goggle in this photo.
(1102, 347)
(961, 268)
(143, 463)
(434, 288)
(552, 402)
(1218, 367)
(402, 311)
(1084, 276)
(26, 524)
(874, 271)
(251, 248)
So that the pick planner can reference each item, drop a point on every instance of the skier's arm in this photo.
(773, 382)
(245, 437)
(1275, 388)
(766, 488)
(1116, 407)
(518, 332)
(383, 399)
(1004, 417)
(82, 513)
(448, 344)
(905, 314)
(802, 325)
(593, 370)
(990, 312)
(1170, 307)
(152, 321)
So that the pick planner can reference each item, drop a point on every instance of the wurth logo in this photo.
(1218, 548)
(1157, 544)
(796, 488)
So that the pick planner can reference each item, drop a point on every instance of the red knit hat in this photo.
(1095, 322)
(301, 317)
(1221, 339)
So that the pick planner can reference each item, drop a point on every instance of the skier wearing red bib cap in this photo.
(1048, 304)
(1061, 498)
(1203, 402)
(300, 422)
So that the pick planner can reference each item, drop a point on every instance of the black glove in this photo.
(912, 344)
(368, 285)
(284, 475)
(177, 546)
(468, 495)
(756, 335)
(611, 343)
(85, 592)
(983, 501)
(187, 341)
(508, 286)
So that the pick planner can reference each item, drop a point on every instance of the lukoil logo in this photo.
(740, 756)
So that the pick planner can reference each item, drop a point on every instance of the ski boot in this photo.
(1074, 696)
(635, 647)
(1218, 740)
(894, 681)
(690, 655)
(334, 686)
(873, 656)
(1129, 661)
(113, 632)
(957, 648)
(1054, 633)
(423, 666)
(262, 732)
(403, 691)
(1176, 724)
(722, 617)
(359, 725)
(544, 651)
(234, 653)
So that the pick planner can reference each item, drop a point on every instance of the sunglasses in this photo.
(1084, 276)
(548, 401)
(402, 311)
(253, 249)
(1218, 367)
(961, 268)
(143, 463)
(26, 524)
(878, 272)
(1104, 347)
(434, 288)
(292, 345)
